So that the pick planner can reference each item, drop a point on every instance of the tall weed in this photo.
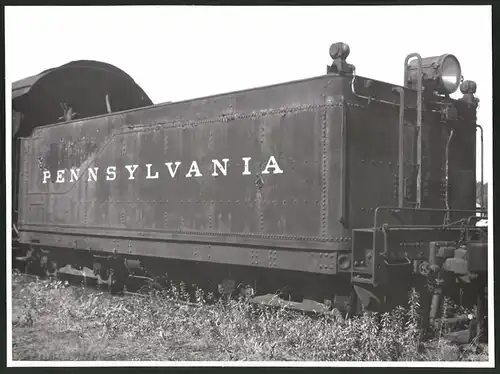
(161, 326)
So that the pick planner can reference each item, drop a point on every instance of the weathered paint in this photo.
(157, 177)
(259, 167)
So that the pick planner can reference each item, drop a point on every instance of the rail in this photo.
(343, 219)
(482, 166)
(445, 211)
(401, 186)
(419, 120)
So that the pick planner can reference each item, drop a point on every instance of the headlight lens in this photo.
(442, 73)
(450, 73)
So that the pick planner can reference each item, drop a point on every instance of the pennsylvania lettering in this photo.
(219, 167)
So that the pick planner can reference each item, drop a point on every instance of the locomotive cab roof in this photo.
(80, 85)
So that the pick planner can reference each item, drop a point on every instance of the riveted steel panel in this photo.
(300, 259)
(149, 173)
(373, 156)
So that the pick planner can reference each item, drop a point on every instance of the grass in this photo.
(53, 321)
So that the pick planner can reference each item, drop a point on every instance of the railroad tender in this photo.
(338, 188)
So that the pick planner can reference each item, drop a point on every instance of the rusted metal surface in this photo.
(334, 185)
(276, 177)
(280, 191)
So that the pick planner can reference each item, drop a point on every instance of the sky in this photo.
(184, 52)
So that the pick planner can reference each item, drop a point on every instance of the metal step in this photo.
(362, 240)
(358, 279)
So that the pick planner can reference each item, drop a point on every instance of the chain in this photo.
(462, 236)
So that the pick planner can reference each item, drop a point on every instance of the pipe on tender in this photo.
(401, 92)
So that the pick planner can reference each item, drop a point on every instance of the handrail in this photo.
(344, 210)
(401, 92)
(379, 208)
(419, 120)
(447, 169)
(482, 166)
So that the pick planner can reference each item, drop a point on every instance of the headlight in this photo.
(442, 72)
(450, 73)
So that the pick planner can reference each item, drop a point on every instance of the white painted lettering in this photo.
(169, 166)
(220, 167)
(247, 166)
(60, 176)
(111, 173)
(149, 176)
(223, 169)
(93, 174)
(46, 175)
(193, 169)
(75, 174)
(274, 165)
(131, 169)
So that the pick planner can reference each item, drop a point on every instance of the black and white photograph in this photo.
(249, 186)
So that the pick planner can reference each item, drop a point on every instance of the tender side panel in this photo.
(245, 200)
(150, 174)
(373, 131)
(373, 158)
(462, 168)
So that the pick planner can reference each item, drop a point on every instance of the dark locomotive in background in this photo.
(337, 188)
